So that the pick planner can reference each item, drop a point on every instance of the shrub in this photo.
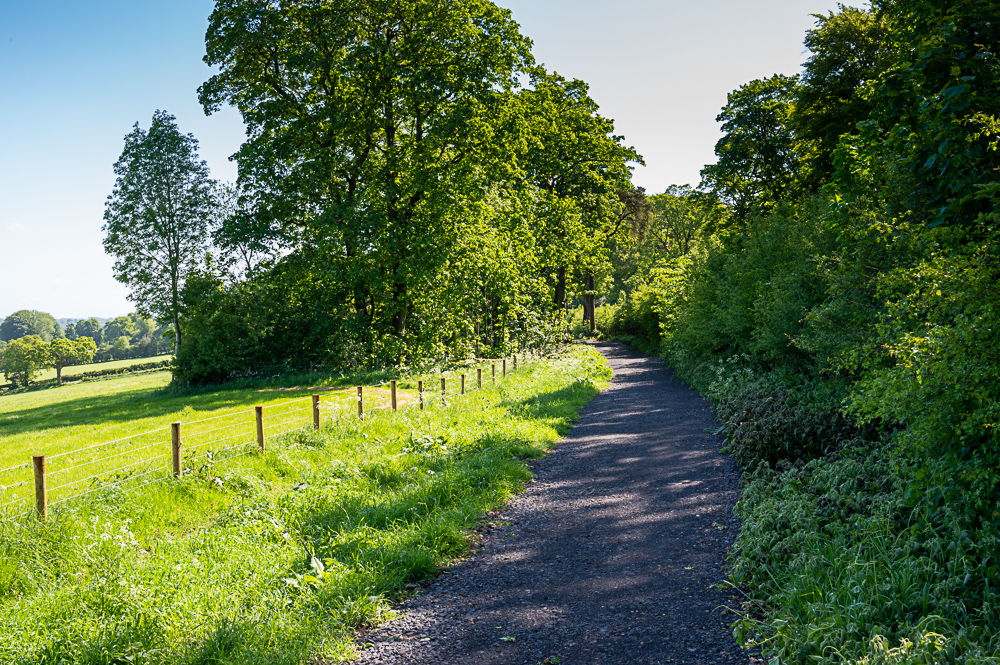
(773, 416)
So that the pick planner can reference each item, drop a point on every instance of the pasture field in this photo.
(93, 432)
(276, 556)
(73, 370)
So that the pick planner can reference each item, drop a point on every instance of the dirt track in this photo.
(609, 555)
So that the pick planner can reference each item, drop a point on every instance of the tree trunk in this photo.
(560, 298)
(590, 301)
(58, 375)
(177, 333)
(402, 309)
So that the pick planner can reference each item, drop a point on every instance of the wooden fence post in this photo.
(41, 492)
(479, 377)
(463, 384)
(515, 362)
(175, 449)
(444, 393)
(504, 367)
(259, 414)
(420, 393)
(361, 404)
(315, 412)
(392, 390)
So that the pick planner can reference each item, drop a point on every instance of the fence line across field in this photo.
(263, 424)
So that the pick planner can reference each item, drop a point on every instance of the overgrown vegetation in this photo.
(843, 318)
(276, 558)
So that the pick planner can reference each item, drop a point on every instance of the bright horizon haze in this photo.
(75, 78)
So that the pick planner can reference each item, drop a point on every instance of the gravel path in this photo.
(609, 554)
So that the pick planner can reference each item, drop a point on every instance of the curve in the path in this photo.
(607, 557)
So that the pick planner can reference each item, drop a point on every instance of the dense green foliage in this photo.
(156, 220)
(29, 322)
(278, 557)
(402, 195)
(81, 342)
(121, 338)
(844, 320)
(26, 356)
(65, 352)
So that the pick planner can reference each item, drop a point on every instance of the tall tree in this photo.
(90, 328)
(572, 153)
(24, 358)
(366, 121)
(121, 326)
(757, 160)
(70, 352)
(243, 239)
(157, 217)
(849, 49)
(30, 322)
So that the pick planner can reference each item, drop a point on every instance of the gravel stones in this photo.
(609, 554)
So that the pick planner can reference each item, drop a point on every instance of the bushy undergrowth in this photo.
(772, 416)
(852, 549)
(854, 283)
(278, 557)
(846, 560)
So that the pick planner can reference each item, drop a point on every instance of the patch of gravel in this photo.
(607, 557)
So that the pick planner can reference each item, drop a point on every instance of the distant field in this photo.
(95, 367)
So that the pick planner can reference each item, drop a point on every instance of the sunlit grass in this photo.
(277, 557)
(89, 430)
(74, 370)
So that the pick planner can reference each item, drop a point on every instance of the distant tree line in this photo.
(23, 333)
(413, 185)
(21, 359)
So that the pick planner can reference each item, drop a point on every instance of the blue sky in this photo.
(75, 77)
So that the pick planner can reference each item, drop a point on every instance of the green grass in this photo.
(275, 557)
(74, 370)
(107, 428)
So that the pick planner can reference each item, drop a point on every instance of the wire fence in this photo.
(139, 460)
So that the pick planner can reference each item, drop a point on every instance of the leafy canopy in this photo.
(24, 358)
(366, 120)
(156, 219)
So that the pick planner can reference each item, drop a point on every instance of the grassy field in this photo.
(74, 370)
(96, 431)
(275, 557)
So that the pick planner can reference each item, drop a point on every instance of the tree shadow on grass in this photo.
(156, 402)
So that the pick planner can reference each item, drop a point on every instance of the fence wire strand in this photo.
(104, 459)
(104, 443)
(224, 415)
(15, 468)
(106, 473)
(335, 404)
(187, 435)
(109, 486)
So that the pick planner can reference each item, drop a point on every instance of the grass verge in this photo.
(278, 557)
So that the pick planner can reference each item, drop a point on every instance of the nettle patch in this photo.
(841, 564)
